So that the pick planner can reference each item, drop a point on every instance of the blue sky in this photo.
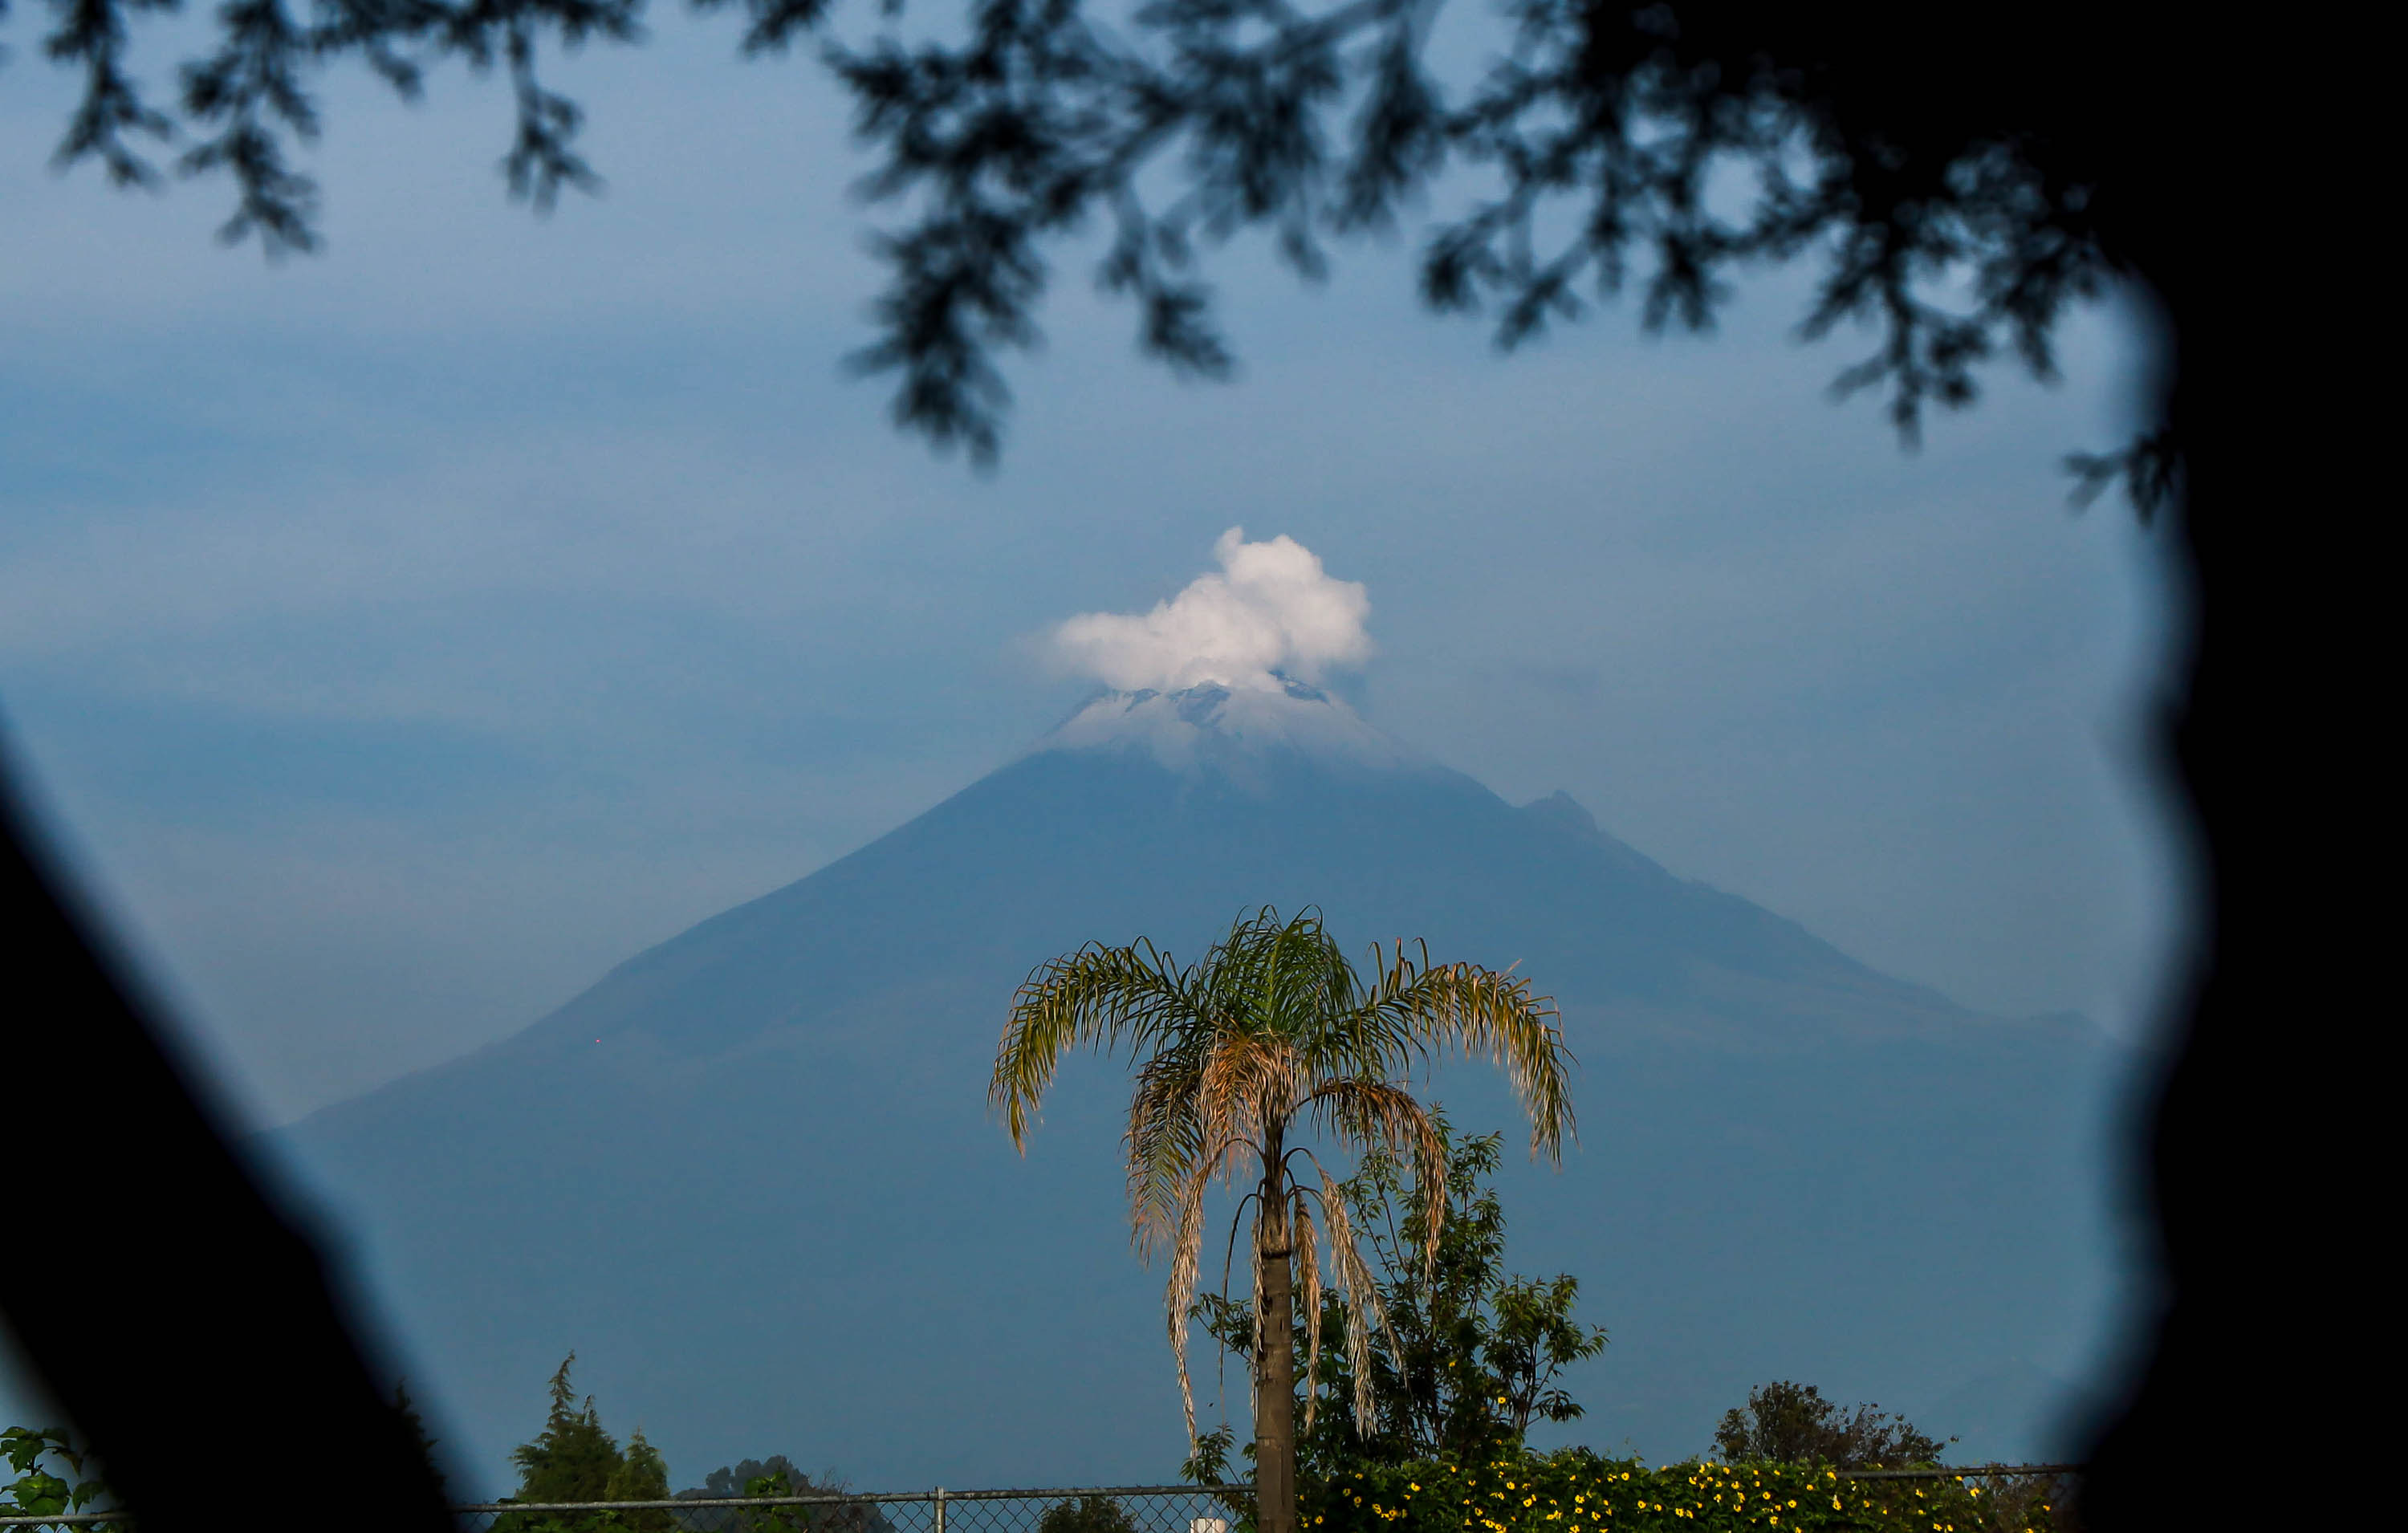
(403, 636)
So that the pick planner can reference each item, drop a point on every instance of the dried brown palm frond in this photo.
(1360, 1293)
(1367, 1115)
(1308, 1283)
(1187, 1253)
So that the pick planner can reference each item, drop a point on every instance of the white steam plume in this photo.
(1271, 608)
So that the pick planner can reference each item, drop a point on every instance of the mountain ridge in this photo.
(724, 1170)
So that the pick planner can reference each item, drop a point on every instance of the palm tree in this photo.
(1274, 1034)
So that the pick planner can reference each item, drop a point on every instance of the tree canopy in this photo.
(1792, 1423)
(1951, 201)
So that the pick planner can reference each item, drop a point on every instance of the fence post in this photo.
(940, 1510)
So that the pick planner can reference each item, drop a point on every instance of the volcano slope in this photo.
(750, 1176)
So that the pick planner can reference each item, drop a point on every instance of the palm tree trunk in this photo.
(1275, 1359)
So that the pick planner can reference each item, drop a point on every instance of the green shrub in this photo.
(1576, 1491)
(47, 1475)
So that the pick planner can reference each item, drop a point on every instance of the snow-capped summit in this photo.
(1215, 724)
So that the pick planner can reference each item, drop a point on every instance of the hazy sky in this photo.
(405, 634)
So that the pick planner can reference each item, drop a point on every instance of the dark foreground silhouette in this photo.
(2211, 161)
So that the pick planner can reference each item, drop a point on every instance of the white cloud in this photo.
(1273, 607)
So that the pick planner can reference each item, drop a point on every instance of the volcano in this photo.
(750, 1177)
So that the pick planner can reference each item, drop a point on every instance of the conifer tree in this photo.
(571, 1459)
(642, 1475)
(415, 1426)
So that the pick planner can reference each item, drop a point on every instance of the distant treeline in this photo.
(574, 1458)
(1470, 1355)
(1778, 1464)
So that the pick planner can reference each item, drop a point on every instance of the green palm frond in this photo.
(1096, 997)
(1164, 1142)
(1476, 1011)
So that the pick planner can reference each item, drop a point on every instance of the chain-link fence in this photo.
(1104, 1508)
(1970, 1472)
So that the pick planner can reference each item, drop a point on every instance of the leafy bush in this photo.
(1576, 1491)
(1470, 1355)
(38, 1487)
